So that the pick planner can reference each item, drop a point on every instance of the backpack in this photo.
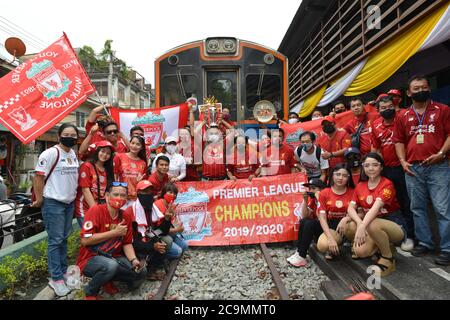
(33, 194)
(318, 152)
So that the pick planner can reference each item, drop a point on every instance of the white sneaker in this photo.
(59, 287)
(296, 260)
(407, 245)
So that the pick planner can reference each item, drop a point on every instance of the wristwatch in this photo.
(442, 154)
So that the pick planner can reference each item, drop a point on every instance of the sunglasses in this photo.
(112, 131)
(120, 184)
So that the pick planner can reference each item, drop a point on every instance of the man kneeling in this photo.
(106, 252)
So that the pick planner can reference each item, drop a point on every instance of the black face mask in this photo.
(68, 142)
(2, 147)
(329, 128)
(388, 114)
(146, 200)
(421, 96)
(339, 111)
(312, 195)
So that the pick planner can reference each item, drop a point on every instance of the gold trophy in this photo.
(211, 110)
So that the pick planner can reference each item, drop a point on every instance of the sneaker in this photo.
(110, 288)
(59, 287)
(407, 245)
(443, 259)
(296, 260)
(420, 251)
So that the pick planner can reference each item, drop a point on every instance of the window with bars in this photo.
(345, 36)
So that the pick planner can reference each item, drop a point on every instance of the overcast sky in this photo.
(143, 30)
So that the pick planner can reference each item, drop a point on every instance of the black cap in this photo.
(316, 183)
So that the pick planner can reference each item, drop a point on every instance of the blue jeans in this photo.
(103, 269)
(434, 182)
(58, 224)
(179, 245)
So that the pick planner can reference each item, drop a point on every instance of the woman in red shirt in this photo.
(94, 176)
(379, 221)
(332, 211)
(131, 167)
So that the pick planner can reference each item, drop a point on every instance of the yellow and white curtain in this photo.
(383, 63)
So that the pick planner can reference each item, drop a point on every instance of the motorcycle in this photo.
(18, 218)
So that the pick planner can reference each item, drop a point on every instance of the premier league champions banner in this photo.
(218, 213)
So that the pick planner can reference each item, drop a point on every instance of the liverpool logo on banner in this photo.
(40, 92)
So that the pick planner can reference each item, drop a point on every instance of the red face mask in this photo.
(169, 198)
(117, 203)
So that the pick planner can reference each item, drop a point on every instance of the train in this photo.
(238, 73)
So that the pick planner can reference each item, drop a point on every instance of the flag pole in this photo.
(100, 100)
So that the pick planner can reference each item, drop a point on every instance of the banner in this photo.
(43, 90)
(157, 123)
(218, 213)
(293, 131)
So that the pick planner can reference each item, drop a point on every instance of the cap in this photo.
(170, 139)
(395, 92)
(381, 96)
(316, 183)
(329, 119)
(143, 184)
(100, 144)
(351, 150)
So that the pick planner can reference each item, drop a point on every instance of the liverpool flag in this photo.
(40, 92)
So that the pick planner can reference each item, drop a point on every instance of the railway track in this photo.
(270, 278)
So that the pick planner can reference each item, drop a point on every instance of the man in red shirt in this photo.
(244, 162)
(278, 158)
(160, 178)
(100, 127)
(422, 143)
(334, 142)
(107, 252)
(360, 123)
(214, 164)
(382, 133)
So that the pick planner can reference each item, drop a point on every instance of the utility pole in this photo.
(111, 79)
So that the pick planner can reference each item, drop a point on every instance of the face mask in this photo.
(293, 120)
(117, 203)
(329, 128)
(146, 200)
(169, 198)
(388, 114)
(421, 96)
(307, 146)
(311, 194)
(339, 111)
(226, 117)
(396, 101)
(68, 142)
(241, 147)
(354, 163)
(171, 149)
(316, 117)
(213, 138)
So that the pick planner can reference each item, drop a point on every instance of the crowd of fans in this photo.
(369, 184)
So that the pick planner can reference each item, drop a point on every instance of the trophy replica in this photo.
(211, 111)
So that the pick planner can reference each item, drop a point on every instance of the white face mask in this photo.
(171, 149)
(292, 121)
(316, 117)
(213, 138)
